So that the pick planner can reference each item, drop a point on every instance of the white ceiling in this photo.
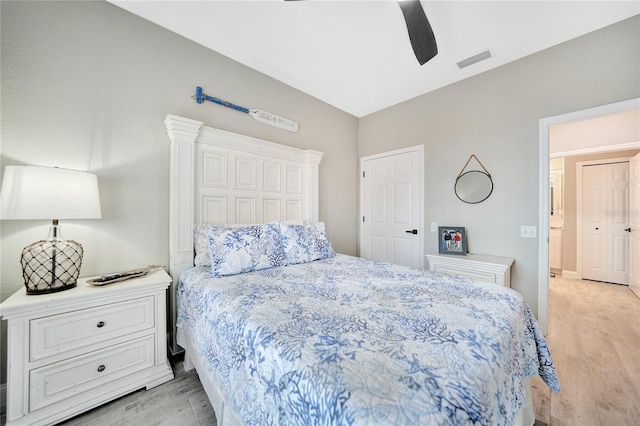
(356, 55)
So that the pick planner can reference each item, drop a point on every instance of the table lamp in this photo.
(31, 193)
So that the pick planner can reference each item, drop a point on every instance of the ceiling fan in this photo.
(421, 35)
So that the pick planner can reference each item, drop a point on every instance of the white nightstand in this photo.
(478, 267)
(70, 351)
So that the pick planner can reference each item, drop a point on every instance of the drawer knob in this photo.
(100, 324)
(101, 368)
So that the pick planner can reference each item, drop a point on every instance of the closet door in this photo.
(605, 254)
(391, 200)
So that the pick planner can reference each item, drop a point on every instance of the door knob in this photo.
(628, 229)
(413, 231)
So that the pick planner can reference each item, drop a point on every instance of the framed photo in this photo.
(452, 240)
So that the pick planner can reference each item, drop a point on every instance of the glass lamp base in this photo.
(51, 265)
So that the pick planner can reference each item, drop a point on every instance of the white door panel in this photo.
(402, 248)
(391, 200)
(619, 255)
(377, 247)
(377, 198)
(402, 212)
(604, 220)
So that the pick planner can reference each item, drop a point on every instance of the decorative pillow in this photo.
(201, 241)
(201, 244)
(245, 249)
(305, 243)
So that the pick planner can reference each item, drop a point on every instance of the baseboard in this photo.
(570, 275)
(3, 398)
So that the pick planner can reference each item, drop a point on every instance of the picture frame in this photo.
(452, 240)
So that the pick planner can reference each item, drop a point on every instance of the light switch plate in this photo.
(528, 231)
(434, 227)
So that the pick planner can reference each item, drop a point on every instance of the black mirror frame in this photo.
(455, 186)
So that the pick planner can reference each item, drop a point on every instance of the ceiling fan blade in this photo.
(420, 33)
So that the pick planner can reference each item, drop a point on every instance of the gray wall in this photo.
(86, 85)
(495, 116)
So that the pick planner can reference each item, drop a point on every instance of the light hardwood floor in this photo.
(594, 337)
(180, 402)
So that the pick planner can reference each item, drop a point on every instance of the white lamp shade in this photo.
(31, 192)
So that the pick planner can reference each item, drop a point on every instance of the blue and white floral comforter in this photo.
(347, 341)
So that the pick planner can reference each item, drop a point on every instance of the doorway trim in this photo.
(543, 196)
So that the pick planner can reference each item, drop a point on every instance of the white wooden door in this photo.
(605, 254)
(634, 224)
(391, 206)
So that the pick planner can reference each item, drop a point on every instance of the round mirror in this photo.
(474, 186)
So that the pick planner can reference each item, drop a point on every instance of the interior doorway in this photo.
(544, 188)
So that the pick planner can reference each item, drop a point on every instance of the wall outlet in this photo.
(528, 231)
(434, 227)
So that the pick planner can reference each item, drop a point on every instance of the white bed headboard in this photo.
(220, 178)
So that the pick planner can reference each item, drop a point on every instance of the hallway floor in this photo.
(594, 337)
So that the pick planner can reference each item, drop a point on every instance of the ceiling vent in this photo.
(474, 59)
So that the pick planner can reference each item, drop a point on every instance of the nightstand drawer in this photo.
(79, 375)
(477, 267)
(473, 274)
(79, 329)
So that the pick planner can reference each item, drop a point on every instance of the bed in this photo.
(283, 330)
